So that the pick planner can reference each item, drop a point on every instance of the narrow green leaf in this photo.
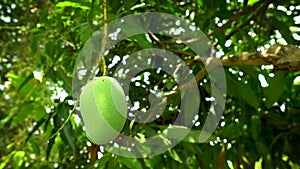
(35, 147)
(34, 43)
(91, 13)
(50, 48)
(72, 4)
(25, 81)
(36, 127)
(7, 159)
(173, 154)
(255, 127)
(276, 87)
(50, 143)
(67, 133)
(6, 119)
(284, 29)
(251, 2)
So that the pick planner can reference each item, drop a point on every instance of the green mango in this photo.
(103, 108)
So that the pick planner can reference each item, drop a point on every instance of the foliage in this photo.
(41, 40)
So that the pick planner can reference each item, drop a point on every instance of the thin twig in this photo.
(65, 122)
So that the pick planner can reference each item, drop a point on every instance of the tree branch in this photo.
(282, 57)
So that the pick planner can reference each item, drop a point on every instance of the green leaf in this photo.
(61, 75)
(241, 90)
(86, 31)
(142, 40)
(67, 134)
(72, 4)
(50, 48)
(176, 132)
(115, 6)
(147, 130)
(261, 147)
(251, 71)
(34, 43)
(35, 147)
(131, 163)
(38, 112)
(133, 27)
(50, 143)
(153, 162)
(5, 120)
(284, 29)
(221, 39)
(91, 13)
(276, 87)
(102, 162)
(232, 131)
(25, 81)
(251, 2)
(190, 105)
(193, 136)
(23, 113)
(173, 154)
(36, 127)
(7, 159)
(19, 158)
(255, 127)
(129, 3)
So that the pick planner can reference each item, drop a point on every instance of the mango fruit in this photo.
(103, 109)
